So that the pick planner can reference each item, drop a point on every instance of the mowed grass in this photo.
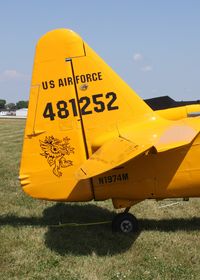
(167, 245)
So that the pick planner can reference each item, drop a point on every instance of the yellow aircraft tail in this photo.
(77, 103)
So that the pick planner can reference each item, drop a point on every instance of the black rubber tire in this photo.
(125, 223)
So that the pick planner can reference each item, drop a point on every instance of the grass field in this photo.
(167, 245)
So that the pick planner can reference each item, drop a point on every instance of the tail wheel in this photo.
(125, 223)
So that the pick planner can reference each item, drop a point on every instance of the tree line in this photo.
(13, 106)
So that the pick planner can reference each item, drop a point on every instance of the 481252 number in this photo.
(99, 106)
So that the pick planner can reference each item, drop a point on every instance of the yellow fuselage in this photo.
(167, 174)
(78, 104)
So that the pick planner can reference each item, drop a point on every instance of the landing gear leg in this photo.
(125, 222)
(127, 209)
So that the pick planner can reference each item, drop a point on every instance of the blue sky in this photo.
(153, 45)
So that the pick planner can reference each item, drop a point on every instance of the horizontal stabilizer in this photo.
(176, 136)
(120, 150)
(110, 155)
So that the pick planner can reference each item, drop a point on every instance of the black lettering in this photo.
(51, 83)
(125, 176)
(83, 78)
(119, 177)
(94, 102)
(60, 83)
(45, 85)
(70, 81)
(101, 105)
(86, 102)
(114, 178)
(48, 112)
(94, 76)
(88, 78)
(77, 78)
(100, 76)
(74, 108)
(63, 112)
(65, 81)
(109, 179)
(113, 97)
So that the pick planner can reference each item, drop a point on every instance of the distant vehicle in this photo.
(89, 136)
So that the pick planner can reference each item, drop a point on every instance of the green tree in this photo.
(2, 104)
(10, 106)
(22, 104)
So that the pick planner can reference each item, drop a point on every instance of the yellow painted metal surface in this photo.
(53, 145)
(110, 155)
(90, 136)
(180, 112)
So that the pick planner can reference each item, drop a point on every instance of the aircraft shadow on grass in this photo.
(98, 239)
